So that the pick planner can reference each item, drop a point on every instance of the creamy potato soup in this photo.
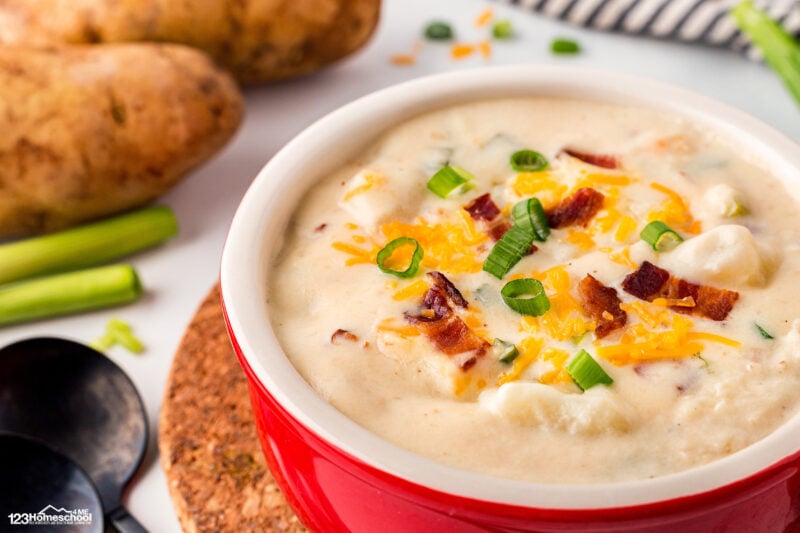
(548, 290)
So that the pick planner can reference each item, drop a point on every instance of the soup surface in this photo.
(671, 268)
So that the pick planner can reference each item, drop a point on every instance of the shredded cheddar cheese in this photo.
(484, 18)
(548, 190)
(529, 349)
(565, 319)
(485, 48)
(674, 212)
(557, 358)
(416, 289)
(626, 227)
(461, 50)
(370, 180)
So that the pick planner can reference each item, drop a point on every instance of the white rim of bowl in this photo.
(267, 205)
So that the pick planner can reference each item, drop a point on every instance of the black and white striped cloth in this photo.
(694, 21)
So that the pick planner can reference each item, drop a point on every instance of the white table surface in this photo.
(179, 274)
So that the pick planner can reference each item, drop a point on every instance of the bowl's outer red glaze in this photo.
(332, 492)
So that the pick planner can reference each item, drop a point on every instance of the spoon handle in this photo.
(121, 521)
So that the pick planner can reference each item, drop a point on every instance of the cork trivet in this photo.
(218, 478)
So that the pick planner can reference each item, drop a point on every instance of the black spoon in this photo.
(83, 405)
(40, 489)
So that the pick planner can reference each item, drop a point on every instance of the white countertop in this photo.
(179, 274)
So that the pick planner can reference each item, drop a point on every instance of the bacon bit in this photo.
(598, 160)
(650, 282)
(451, 336)
(453, 294)
(484, 211)
(497, 229)
(320, 228)
(460, 50)
(579, 208)
(646, 282)
(484, 18)
(343, 335)
(482, 208)
(602, 304)
(446, 330)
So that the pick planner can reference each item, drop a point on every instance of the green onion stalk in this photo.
(781, 50)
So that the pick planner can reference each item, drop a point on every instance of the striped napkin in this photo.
(692, 21)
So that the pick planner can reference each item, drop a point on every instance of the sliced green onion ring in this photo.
(530, 214)
(661, 237)
(449, 180)
(502, 30)
(528, 161)
(526, 296)
(507, 252)
(438, 31)
(564, 46)
(505, 351)
(586, 372)
(386, 253)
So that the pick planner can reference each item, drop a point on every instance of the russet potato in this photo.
(257, 40)
(89, 131)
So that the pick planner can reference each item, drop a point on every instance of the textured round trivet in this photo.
(217, 476)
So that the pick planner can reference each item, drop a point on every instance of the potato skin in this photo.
(93, 130)
(257, 40)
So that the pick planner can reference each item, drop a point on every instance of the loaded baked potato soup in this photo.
(548, 290)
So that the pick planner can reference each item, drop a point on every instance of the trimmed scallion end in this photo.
(505, 351)
(660, 237)
(72, 292)
(450, 180)
(118, 332)
(586, 372)
(564, 46)
(387, 252)
(502, 29)
(781, 50)
(526, 296)
(438, 31)
(512, 246)
(764, 333)
(529, 214)
(528, 161)
(88, 245)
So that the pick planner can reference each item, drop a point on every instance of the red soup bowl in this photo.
(338, 476)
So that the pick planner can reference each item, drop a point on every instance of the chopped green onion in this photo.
(387, 251)
(764, 333)
(564, 46)
(506, 352)
(507, 252)
(449, 180)
(87, 245)
(118, 332)
(586, 372)
(781, 50)
(526, 296)
(438, 31)
(502, 29)
(660, 236)
(68, 293)
(529, 214)
(528, 161)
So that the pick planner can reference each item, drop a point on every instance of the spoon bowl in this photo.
(83, 405)
(40, 488)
